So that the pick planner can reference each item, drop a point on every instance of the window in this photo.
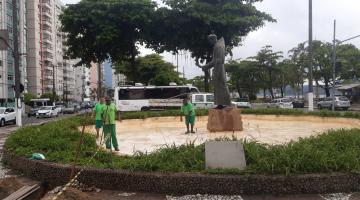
(10, 77)
(194, 90)
(199, 98)
(169, 93)
(131, 94)
(209, 98)
(155, 93)
(9, 110)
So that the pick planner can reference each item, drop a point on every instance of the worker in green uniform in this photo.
(188, 111)
(109, 112)
(98, 119)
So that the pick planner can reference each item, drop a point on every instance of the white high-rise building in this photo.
(7, 72)
(118, 79)
(82, 83)
(45, 50)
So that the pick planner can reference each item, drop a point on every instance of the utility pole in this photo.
(334, 67)
(335, 44)
(311, 88)
(53, 90)
(16, 55)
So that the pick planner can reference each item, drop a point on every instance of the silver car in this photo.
(341, 103)
(281, 103)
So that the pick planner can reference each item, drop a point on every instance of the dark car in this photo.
(298, 103)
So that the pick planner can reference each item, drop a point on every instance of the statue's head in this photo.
(212, 39)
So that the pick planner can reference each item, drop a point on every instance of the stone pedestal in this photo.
(221, 120)
(224, 155)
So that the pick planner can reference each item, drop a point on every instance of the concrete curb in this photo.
(186, 183)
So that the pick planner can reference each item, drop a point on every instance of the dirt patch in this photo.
(9, 186)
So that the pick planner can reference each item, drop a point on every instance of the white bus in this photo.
(143, 98)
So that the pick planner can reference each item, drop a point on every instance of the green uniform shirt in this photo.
(109, 113)
(185, 109)
(98, 111)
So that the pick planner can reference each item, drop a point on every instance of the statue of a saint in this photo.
(221, 90)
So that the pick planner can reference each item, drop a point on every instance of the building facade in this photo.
(82, 83)
(45, 47)
(7, 71)
(118, 80)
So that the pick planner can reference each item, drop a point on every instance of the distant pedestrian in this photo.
(98, 116)
(109, 113)
(188, 111)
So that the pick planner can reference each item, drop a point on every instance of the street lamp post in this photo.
(311, 88)
(335, 45)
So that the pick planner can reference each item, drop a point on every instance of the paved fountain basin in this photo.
(153, 133)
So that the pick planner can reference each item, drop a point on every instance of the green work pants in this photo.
(110, 135)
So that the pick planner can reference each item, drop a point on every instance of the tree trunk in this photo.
(206, 80)
(133, 64)
(264, 92)
(207, 72)
(302, 90)
(327, 89)
(271, 83)
(239, 91)
(282, 92)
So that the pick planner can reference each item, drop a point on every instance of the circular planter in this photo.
(186, 183)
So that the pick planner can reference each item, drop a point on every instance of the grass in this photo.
(334, 151)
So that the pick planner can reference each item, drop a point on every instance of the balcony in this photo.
(48, 57)
(46, 4)
(47, 22)
(46, 12)
(47, 47)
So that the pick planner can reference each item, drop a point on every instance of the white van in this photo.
(202, 100)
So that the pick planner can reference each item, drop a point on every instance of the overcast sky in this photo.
(291, 27)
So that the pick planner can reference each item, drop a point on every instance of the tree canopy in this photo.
(151, 70)
(113, 29)
(99, 30)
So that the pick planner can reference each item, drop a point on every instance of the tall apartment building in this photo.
(69, 80)
(94, 79)
(82, 83)
(45, 47)
(118, 80)
(7, 79)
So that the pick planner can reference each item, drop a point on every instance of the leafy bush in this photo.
(335, 151)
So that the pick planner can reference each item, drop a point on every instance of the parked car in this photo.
(47, 111)
(60, 108)
(33, 111)
(298, 103)
(241, 103)
(71, 109)
(341, 103)
(280, 103)
(7, 115)
(202, 100)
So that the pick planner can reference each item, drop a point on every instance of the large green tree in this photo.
(185, 25)
(150, 70)
(348, 62)
(267, 61)
(99, 30)
(299, 58)
(244, 76)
